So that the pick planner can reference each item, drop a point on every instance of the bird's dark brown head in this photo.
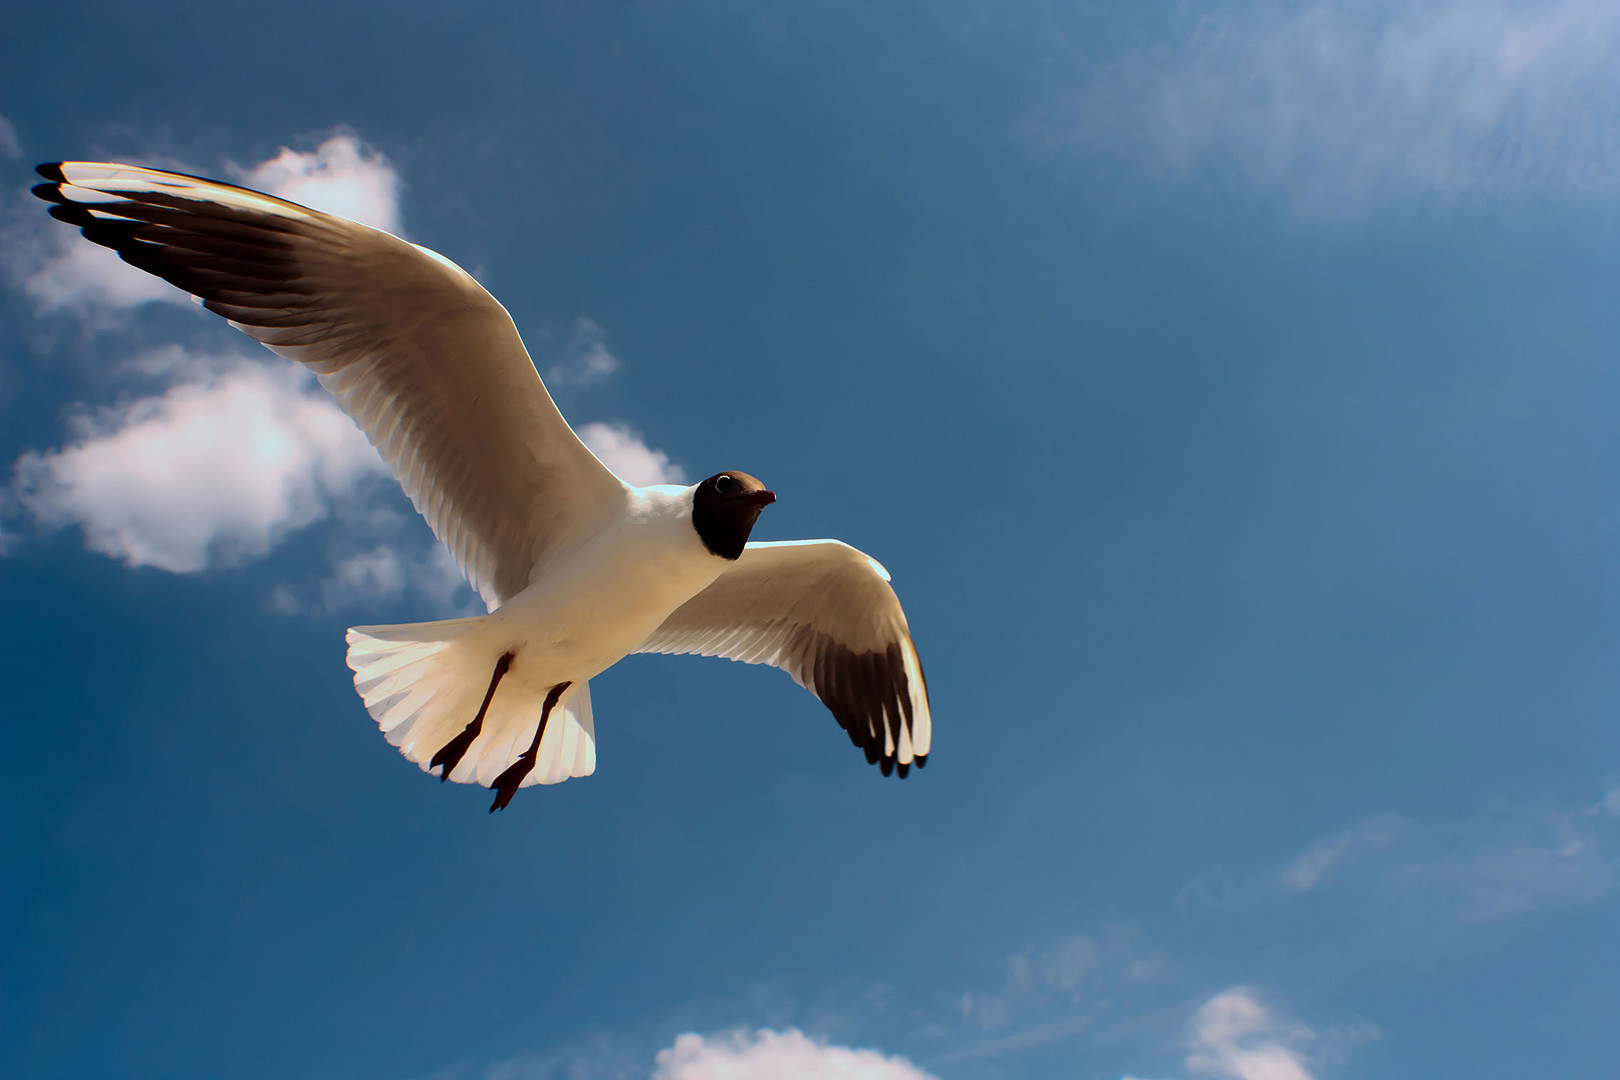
(724, 509)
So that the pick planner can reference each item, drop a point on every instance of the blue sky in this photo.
(1230, 390)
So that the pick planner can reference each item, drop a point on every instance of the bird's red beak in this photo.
(761, 499)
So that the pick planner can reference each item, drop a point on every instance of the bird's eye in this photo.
(724, 484)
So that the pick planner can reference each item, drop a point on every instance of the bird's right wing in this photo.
(824, 613)
(426, 361)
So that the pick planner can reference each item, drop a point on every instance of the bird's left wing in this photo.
(824, 613)
(427, 363)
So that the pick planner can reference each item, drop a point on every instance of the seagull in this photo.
(578, 569)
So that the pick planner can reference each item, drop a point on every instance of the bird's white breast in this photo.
(591, 608)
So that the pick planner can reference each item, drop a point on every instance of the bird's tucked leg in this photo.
(451, 753)
(507, 784)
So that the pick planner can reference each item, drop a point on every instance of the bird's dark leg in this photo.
(507, 784)
(451, 753)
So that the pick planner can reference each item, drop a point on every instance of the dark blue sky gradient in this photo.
(1219, 530)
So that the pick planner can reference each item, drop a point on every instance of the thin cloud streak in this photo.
(1345, 109)
(1319, 860)
(10, 146)
(1506, 863)
(1502, 863)
(1057, 990)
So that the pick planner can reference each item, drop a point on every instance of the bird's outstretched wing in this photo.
(425, 361)
(824, 613)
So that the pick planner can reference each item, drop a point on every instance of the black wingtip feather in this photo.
(71, 213)
(111, 234)
(51, 170)
(51, 193)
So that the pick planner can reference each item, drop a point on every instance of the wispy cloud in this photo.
(625, 452)
(775, 1055)
(10, 146)
(389, 571)
(1068, 970)
(1506, 862)
(1324, 855)
(407, 562)
(1503, 862)
(585, 359)
(1056, 990)
(1341, 108)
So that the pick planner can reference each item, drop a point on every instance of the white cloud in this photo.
(1236, 1037)
(585, 360)
(10, 147)
(1341, 108)
(622, 450)
(213, 470)
(1323, 855)
(772, 1055)
(340, 176)
(61, 272)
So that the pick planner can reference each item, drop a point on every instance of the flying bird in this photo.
(578, 568)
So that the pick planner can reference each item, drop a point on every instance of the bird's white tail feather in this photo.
(423, 685)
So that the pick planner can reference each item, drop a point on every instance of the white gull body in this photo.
(594, 606)
(578, 568)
